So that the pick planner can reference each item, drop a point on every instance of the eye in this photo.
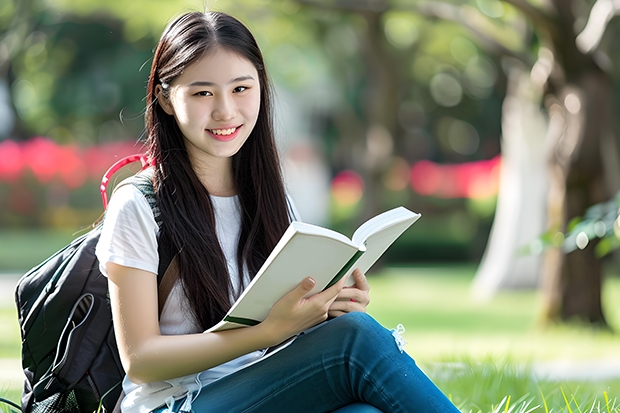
(240, 89)
(203, 93)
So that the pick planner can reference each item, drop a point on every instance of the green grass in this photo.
(491, 343)
(21, 249)
(10, 342)
(488, 340)
(9, 339)
(11, 396)
(443, 322)
(483, 386)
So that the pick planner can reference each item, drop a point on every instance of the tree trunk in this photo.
(520, 213)
(573, 281)
(382, 99)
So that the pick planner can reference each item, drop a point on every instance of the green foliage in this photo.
(599, 224)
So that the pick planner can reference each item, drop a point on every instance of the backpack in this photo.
(69, 353)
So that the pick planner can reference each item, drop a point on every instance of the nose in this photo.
(225, 108)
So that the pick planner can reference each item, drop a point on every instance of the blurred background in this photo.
(496, 120)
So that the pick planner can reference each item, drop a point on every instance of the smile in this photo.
(224, 134)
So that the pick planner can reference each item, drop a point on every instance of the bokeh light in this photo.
(70, 164)
(446, 90)
(397, 176)
(476, 180)
(11, 162)
(400, 31)
(347, 188)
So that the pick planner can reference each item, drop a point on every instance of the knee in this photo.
(356, 321)
(364, 328)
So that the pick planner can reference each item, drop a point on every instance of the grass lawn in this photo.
(443, 323)
(492, 343)
(21, 249)
(495, 343)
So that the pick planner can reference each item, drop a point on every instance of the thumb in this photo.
(305, 286)
(360, 280)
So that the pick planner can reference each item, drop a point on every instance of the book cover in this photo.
(321, 253)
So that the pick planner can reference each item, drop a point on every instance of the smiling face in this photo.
(215, 103)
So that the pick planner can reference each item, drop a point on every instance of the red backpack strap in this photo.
(115, 168)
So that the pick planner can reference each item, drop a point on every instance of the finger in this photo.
(360, 280)
(355, 295)
(332, 292)
(349, 294)
(347, 307)
(334, 314)
(304, 287)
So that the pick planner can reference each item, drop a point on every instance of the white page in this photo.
(306, 254)
(378, 233)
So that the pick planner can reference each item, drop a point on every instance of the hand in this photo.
(354, 298)
(293, 313)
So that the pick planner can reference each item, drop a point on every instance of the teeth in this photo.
(223, 131)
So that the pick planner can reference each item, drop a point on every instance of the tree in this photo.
(581, 151)
(16, 24)
(571, 84)
(578, 100)
(584, 151)
(399, 81)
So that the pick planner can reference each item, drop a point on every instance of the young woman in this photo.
(223, 208)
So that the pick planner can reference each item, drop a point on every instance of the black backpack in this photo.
(69, 352)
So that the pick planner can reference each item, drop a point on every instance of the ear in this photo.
(163, 101)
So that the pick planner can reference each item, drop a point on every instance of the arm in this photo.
(354, 298)
(148, 356)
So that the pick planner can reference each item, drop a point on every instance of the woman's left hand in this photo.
(353, 298)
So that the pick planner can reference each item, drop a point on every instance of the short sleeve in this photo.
(129, 233)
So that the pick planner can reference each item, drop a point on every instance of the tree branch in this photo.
(467, 19)
(349, 5)
(474, 24)
(538, 17)
(601, 14)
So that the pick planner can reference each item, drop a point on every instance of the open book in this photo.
(310, 250)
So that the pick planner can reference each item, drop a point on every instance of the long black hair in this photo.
(188, 229)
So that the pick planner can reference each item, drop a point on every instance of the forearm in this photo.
(148, 356)
(166, 357)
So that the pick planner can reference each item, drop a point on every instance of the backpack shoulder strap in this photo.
(143, 180)
(168, 270)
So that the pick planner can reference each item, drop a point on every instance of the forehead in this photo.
(219, 66)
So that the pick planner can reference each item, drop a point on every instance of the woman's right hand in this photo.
(293, 313)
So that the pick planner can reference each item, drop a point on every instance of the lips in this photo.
(224, 134)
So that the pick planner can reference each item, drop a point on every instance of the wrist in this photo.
(268, 334)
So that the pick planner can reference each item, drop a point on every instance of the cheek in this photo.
(254, 107)
(186, 115)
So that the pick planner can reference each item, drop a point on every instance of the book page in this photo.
(304, 253)
(378, 233)
(382, 221)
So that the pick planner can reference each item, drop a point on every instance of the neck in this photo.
(216, 175)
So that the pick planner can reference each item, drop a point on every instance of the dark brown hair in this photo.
(188, 228)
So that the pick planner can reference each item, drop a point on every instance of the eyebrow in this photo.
(235, 80)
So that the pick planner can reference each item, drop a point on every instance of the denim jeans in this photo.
(350, 363)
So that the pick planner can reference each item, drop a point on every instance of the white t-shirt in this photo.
(129, 238)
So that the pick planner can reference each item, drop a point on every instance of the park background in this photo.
(496, 120)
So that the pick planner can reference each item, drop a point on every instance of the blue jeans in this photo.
(350, 363)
